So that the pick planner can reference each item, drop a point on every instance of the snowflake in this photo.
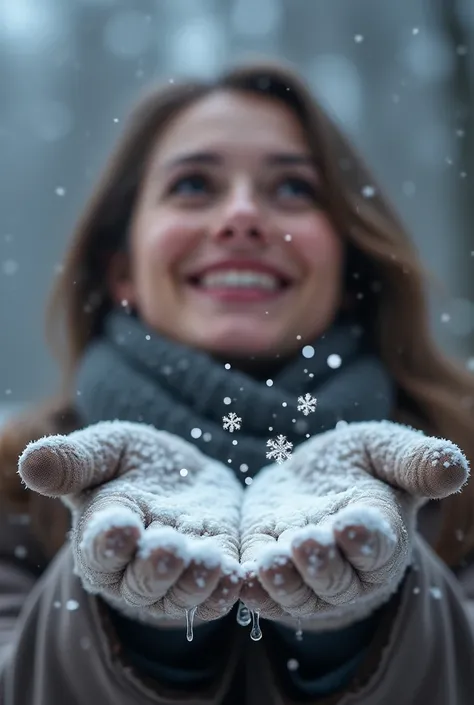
(231, 422)
(280, 449)
(307, 404)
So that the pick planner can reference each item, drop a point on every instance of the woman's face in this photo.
(231, 251)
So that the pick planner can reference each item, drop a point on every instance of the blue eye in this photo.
(193, 185)
(299, 188)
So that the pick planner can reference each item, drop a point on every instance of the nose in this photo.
(241, 219)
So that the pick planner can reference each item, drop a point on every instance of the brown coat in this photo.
(422, 653)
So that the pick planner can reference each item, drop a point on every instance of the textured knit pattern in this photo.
(343, 510)
(132, 373)
(147, 506)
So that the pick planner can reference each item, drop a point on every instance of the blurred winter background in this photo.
(397, 75)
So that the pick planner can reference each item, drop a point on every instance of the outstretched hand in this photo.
(155, 521)
(327, 535)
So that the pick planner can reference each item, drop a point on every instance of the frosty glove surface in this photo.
(327, 536)
(155, 523)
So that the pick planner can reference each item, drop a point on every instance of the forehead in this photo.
(239, 123)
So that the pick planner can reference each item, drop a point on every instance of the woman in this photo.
(231, 299)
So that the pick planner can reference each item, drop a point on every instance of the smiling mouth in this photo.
(240, 285)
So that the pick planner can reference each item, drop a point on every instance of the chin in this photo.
(241, 343)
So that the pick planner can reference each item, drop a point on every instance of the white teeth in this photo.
(240, 279)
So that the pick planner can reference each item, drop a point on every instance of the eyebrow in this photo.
(275, 159)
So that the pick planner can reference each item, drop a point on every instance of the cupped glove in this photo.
(155, 523)
(327, 536)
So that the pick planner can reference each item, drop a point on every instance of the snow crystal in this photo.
(307, 404)
(280, 449)
(231, 422)
(72, 605)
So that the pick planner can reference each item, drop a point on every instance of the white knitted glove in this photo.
(155, 523)
(327, 535)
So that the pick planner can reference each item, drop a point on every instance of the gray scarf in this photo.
(132, 373)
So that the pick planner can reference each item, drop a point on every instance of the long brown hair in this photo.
(434, 393)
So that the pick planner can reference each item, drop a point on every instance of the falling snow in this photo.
(307, 404)
(280, 449)
(231, 422)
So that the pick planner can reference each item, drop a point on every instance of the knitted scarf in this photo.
(133, 373)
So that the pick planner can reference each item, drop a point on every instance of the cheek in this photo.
(319, 247)
(162, 243)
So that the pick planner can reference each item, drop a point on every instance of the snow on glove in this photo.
(327, 535)
(155, 523)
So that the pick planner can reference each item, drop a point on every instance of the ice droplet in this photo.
(243, 615)
(256, 632)
(189, 623)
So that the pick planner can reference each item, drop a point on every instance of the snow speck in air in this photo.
(227, 400)
(293, 664)
(231, 422)
(358, 38)
(244, 467)
(196, 433)
(334, 361)
(308, 351)
(116, 119)
(248, 480)
(288, 237)
(269, 383)
(415, 30)
(72, 605)
(280, 449)
(10, 267)
(20, 552)
(436, 593)
(60, 191)
(227, 365)
(183, 472)
(470, 364)
(445, 317)
(368, 191)
(307, 404)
